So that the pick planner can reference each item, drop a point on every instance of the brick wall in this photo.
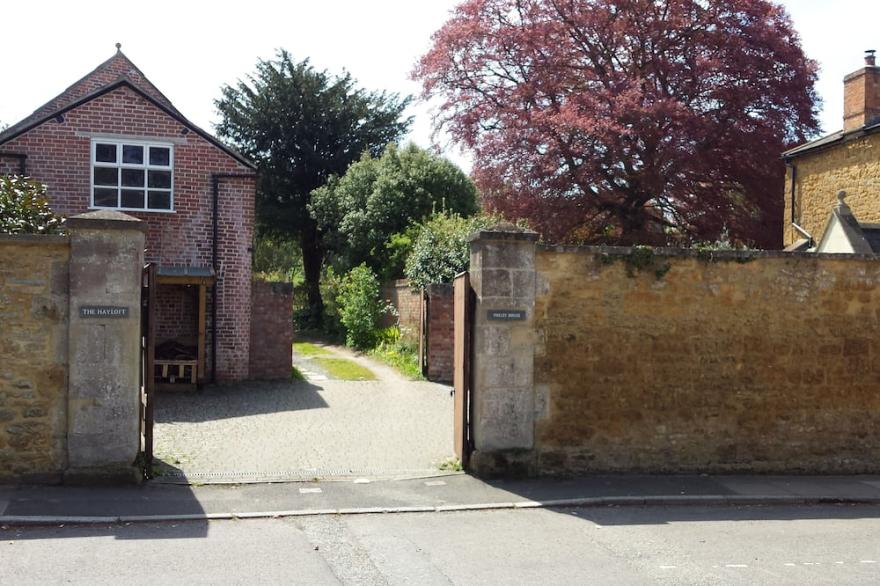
(853, 167)
(755, 362)
(9, 165)
(176, 312)
(59, 156)
(440, 335)
(408, 303)
(33, 347)
(271, 330)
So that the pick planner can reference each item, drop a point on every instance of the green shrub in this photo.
(398, 352)
(24, 208)
(361, 308)
(441, 249)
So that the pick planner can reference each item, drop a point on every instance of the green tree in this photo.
(24, 208)
(378, 198)
(302, 126)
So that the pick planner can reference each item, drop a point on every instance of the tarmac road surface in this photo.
(834, 544)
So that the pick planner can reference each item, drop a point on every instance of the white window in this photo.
(132, 175)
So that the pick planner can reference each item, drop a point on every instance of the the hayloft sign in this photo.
(103, 311)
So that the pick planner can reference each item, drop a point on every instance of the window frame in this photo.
(146, 167)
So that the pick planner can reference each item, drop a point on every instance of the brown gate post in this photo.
(148, 301)
(463, 312)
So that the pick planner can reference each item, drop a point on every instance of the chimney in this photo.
(861, 95)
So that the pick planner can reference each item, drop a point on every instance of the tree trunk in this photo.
(313, 258)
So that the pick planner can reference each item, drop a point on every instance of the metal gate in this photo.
(462, 352)
(148, 356)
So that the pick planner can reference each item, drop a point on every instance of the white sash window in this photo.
(132, 175)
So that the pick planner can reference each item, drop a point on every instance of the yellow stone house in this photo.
(845, 161)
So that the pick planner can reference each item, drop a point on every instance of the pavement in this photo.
(153, 502)
(812, 544)
(299, 430)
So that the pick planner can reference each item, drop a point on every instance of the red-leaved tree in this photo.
(626, 121)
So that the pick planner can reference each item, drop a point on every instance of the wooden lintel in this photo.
(184, 280)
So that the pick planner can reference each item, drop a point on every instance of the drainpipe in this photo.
(805, 234)
(22, 159)
(215, 216)
(793, 168)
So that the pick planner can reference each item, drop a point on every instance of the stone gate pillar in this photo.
(106, 264)
(503, 278)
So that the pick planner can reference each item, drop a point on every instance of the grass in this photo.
(450, 465)
(401, 356)
(342, 369)
(308, 350)
(295, 374)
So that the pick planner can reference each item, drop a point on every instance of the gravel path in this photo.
(320, 428)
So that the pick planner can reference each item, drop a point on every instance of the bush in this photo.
(360, 307)
(441, 249)
(398, 352)
(24, 208)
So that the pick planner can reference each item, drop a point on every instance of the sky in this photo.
(190, 49)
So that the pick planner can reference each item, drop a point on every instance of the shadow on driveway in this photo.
(217, 402)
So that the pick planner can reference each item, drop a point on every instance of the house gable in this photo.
(117, 67)
(30, 123)
(116, 72)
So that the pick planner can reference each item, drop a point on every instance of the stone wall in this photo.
(440, 336)
(672, 361)
(70, 378)
(853, 166)
(271, 330)
(33, 347)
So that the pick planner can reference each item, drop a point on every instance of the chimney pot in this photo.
(870, 58)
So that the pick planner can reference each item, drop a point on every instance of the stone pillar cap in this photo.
(504, 231)
(105, 220)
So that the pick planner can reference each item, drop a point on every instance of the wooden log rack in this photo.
(197, 368)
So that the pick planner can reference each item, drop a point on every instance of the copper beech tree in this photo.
(626, 121)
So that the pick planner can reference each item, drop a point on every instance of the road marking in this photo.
(735, 566)
(790, 565)
(667, 567)
(839, 563)
(309, 490)
(362, 481)
(436, 483)
(867, 562)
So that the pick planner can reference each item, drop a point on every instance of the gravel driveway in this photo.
(320, 428)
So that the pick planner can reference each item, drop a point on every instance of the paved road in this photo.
(326, 428)
(634, 545)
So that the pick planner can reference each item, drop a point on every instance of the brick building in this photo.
(847, 160)
(112, 140)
